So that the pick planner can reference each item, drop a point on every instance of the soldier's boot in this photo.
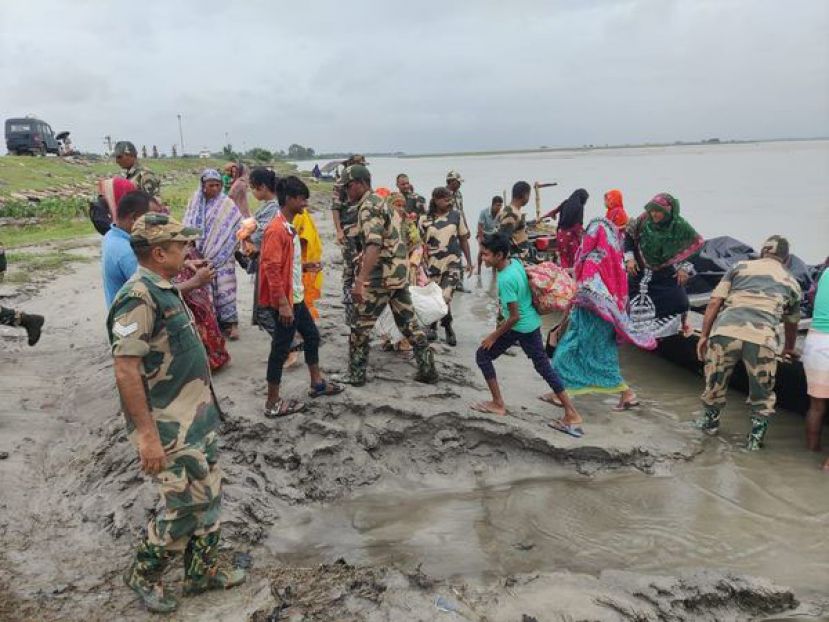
(710, 421)
(144, 578)
(202, 570)
(425, 359)
(357, 363)
(432, 332)
(32, 324)
(759, 426)
(451, 339)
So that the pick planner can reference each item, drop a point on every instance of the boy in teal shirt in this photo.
(520, 323)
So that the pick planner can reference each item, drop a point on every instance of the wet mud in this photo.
(74, 501)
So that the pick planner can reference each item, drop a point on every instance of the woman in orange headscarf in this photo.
(615, 208)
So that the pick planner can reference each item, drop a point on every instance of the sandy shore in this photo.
(74, 501)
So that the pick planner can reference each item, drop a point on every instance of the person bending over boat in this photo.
(587, 356)
(570, 226)
(816, 362)
(741, 324)
(658, 246)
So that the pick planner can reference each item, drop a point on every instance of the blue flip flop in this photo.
(575, 431)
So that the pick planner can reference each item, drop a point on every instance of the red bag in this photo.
(552, 287)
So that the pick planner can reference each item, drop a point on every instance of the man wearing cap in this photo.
(163, 378)
(127, 158)
(383, 279)
(344, 214)
(453, 184)
(742, 323)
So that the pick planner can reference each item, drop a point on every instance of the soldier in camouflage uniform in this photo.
(415, 203)
(446, 236)
(513, 221)
(163, 378)
(743, 320)
(344, 215)
(382, 279)
(453, 184)
(127, 158)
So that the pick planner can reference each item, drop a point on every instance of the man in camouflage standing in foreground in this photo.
(163, 378)
(344, 214)
(144, 179)
(382, 279)
(743, 320)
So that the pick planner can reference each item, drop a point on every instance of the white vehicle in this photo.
(204, 154)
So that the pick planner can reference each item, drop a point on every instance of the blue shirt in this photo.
(514, 286)
(488, 222)
(118, 262)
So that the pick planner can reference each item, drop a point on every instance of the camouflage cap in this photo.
(454, 176)
(355, 172)
(154, 228)
(777, 246)
(124, 147)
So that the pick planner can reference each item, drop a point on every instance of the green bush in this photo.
(48, 209)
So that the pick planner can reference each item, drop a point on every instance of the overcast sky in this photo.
(417, 76)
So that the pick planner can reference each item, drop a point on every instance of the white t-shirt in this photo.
(299, 290)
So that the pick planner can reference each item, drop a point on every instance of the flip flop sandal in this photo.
(283, 408)
(575, 431)
(626, 406)
(551, 400)
(325, 388)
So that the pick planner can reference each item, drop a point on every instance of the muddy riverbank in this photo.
(431, 506)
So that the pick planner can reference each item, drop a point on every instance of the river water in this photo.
(765, 514)
(748, 191)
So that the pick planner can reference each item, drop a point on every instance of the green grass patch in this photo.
(13, 237)
(23, 267)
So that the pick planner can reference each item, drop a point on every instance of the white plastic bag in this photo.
(428, 302)
(386, 327)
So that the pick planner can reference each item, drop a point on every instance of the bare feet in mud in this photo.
(825, 466)
(489, 407)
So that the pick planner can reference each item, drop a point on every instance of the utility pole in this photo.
(180, 135)
(108, 141)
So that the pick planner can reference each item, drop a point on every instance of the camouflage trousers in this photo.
(369, 311)
(761, 365)
(191, 495)
(350, 252)
(9, 317)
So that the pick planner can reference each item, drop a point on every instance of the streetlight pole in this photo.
(180, 135)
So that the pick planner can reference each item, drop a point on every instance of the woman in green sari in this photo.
(658, 246)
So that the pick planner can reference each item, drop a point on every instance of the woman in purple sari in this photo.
(218, 217)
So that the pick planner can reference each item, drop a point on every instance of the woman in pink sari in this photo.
(587, 356)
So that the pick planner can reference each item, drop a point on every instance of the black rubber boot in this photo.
(32, 324)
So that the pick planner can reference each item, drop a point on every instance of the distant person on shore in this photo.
(281, 292)
(742, 321)
(126, 156)
(415, 203)
(615, 209)
(816, 363)
(488, 224)
(344, 215)
(587, 353)
(519, 323)
(238, 190)
(213, 212)
(512, 221)
(446, 239)
(570, 215)
(382, 280)
(659, 244)
(164, 382)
